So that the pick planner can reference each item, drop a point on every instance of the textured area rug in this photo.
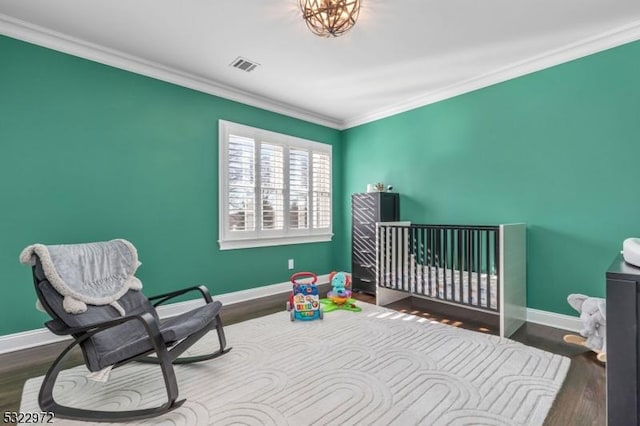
(375, 367)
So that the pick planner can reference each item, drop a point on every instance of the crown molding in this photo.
(588, 46)
(35, 34)
(31, 33)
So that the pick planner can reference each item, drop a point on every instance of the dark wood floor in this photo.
(581, 400)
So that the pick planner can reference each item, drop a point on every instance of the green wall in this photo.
(558, 149)
(90, 153)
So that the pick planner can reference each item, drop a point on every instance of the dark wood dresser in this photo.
(623, 343)
(366, 210)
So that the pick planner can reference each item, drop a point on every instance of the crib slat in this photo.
(488, 266)
(396, 256)
(426, 237)
(445, 259)
(398, 247)
(405, 259)
(437, 255)
(458, 269)
(405, 264)
(389, 261)
(478, 266)
(469, 269)
(415, 238)
(401, 275)
(393, 258)
(434, 263)
(491, 296)
(427, 259)
(497, 268)
(382, 249)
(392, 254)
(465, 267)
(379, 254)
(399, 250)
(423, 254)
(385, 256)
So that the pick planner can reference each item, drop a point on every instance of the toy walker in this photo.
(304, 301)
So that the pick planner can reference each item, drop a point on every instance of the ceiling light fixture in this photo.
(330, 18)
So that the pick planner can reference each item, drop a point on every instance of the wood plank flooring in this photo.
(581, 400)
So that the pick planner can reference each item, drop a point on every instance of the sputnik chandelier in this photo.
(330, 18)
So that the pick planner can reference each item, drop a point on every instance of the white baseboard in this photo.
(551, 319)
(42, 336)
(28, 339)
(32, 338)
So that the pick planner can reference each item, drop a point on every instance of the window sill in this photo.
(269, 242)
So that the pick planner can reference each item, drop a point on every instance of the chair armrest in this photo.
(204, 291)
(57, 327)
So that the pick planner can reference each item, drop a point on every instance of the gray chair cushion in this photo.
(134, 302)
(173, 330)
(181, 326)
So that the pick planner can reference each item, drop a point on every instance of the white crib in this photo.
(477, 267)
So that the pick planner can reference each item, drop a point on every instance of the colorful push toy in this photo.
(304, 301)
(340, 296)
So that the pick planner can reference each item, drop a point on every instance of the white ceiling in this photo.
(401, 54)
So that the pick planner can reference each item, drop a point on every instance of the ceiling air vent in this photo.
(244, 64)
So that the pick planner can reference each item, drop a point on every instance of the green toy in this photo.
(340, 296)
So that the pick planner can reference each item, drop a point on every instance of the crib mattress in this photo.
(447, 284)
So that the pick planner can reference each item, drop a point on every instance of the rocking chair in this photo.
(107, 337)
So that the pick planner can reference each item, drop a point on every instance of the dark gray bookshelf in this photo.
(366, 210)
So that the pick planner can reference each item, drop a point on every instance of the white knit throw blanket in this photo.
(94, 273)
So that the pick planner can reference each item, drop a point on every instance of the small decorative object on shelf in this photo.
(378, 187)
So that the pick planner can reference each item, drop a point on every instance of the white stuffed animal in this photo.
(631, 251)
(593, 314)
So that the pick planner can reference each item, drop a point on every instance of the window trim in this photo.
(267, 238)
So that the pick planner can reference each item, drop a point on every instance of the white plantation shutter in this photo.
(272, 186)
(242, 183)
(274, 189)
(298, 189)
(321, 191)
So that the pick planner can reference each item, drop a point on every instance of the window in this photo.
(274, 189)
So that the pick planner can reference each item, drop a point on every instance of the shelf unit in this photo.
(366, 210)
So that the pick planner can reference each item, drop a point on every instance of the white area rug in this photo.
(375, 367)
